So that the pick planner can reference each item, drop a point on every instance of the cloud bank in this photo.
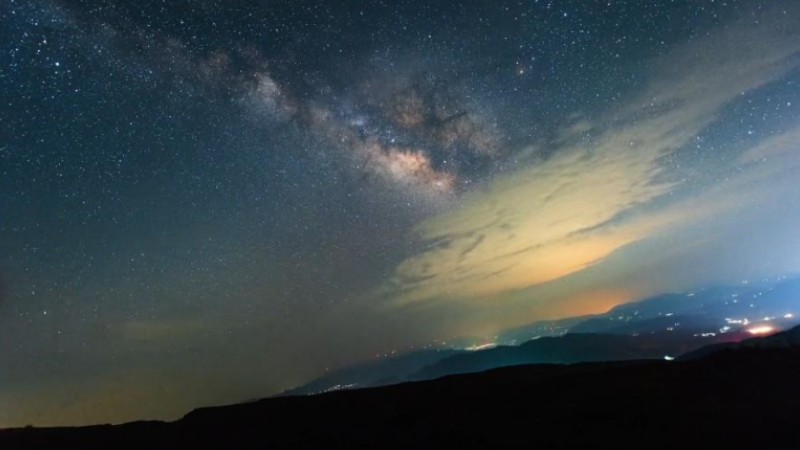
(611, 181)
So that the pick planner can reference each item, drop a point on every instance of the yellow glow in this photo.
(761, 329)
(590, 302)
(555, 216)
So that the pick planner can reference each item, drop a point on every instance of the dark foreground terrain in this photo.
(748, 396)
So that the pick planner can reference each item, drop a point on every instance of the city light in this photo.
(761, 329)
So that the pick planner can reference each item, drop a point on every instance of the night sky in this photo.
(204, 202)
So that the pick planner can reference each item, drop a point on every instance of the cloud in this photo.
(780, 146)
(573, 210)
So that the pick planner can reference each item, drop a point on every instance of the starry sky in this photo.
(204, 202)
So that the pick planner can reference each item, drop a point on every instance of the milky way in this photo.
(206, 202)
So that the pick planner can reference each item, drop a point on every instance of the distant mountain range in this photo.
(391, 370)
(654, 328)
(786, 339)
(743, 396)
(706, 311)
(572, 348)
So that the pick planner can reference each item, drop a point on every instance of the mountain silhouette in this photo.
(786, 339)
(745, 396)
(385, 371)
(572, 348)
(661, 326)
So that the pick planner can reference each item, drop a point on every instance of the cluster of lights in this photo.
(761, 330)
(744, 321)
(475, 348)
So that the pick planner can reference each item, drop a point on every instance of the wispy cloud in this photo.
(557, 216)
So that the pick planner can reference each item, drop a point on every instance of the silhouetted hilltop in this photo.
(664, 325)
(391, 370)
(747, 396)
(572, 348)
(704, 311)
(785, 339)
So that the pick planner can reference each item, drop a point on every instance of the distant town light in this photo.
(475, 348)
(761, 329)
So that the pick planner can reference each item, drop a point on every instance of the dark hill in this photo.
(785, 339)
(391, 370)
(573, 348)
(745, 397)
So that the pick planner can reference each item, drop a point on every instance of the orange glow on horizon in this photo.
(585, 303)
(761, 330)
